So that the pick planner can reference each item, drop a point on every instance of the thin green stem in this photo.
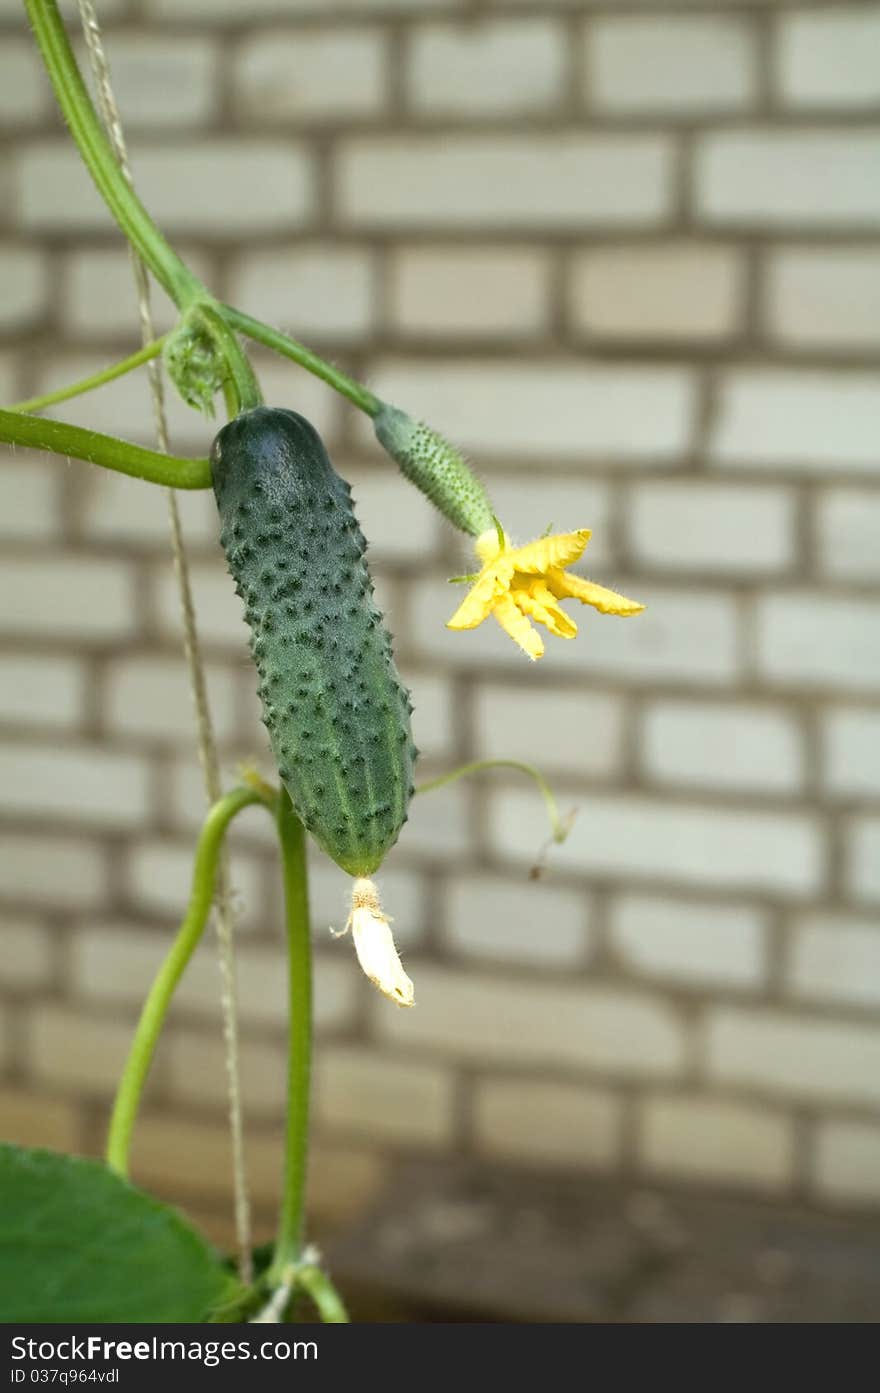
(356, 392)
(291, 836)
(561, 826)
(97, 379)
(316, 1283)
(155, 1009)
(131, 215)
(36, 433)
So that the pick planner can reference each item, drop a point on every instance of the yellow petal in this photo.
(488, 546)
(514, 623)
(605, 601)
(537, 602)
(539, 557)
(480, 599)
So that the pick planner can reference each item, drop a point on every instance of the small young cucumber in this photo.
(336, 711)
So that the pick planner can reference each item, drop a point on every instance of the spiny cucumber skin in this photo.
(336, 711)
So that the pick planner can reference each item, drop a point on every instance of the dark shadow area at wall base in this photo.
(472, 1243)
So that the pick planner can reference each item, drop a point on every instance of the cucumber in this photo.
(336, 711)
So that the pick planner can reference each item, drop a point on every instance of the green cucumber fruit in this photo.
(336, 711)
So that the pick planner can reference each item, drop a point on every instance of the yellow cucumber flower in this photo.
(517, 584)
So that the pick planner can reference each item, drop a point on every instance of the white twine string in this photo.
(224, 916)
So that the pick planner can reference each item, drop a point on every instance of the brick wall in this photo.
(629, 256)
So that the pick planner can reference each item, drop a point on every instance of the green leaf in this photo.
(78, 1243)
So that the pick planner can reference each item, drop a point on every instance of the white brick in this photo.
(807, 421)
(229, 11)
(577, 732)
(24, 286)
(119, 511)
(863, 859)
(32, 1119)
(160, 880)
(433, 719)
(219, 611)
(24, 88)
(720, 1142)
(561, 411)
(851, 752)
(9, 370)
(51, 870)
(823, 297)
(397, 521)
(439, 825)
(634, 838)
(151, 698)
(497, 919)
(816, 640)
(682, 637)
(384, 1098)
(564, 503)
(326, 293)
(488, 69)
(115, 962)
(196, 1072)
(670, 64)
(830, 59)
(490, 1019)
(768, 178)
(546, 1123)
(82, 782)
(179, 1155)
(75, 1051)
(835, 959)
(98, 297)
(673, 291)
(72, 598)
(261, 978)
(690, 942)
(505, 181)
(41, 691)
(26, 961)
(219, 188)
(160, 81)
(848, 530)
(809, 1059)
(847, 1161)
(711, 527)
(748, 748)
(29, 485)
(477, 292)
(312, 75)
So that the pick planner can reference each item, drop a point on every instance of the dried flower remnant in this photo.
(374, 944)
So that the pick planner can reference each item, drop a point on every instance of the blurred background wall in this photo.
(627, 255)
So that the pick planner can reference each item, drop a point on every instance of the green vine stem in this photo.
(97, 379)
(131, 215)
(63, 439)
(291, 836)
(315, 1282)
(155, 1009)
(155, 251)
(255, 329)
(560, 826)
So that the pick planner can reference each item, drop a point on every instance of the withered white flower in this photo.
(374, 944)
